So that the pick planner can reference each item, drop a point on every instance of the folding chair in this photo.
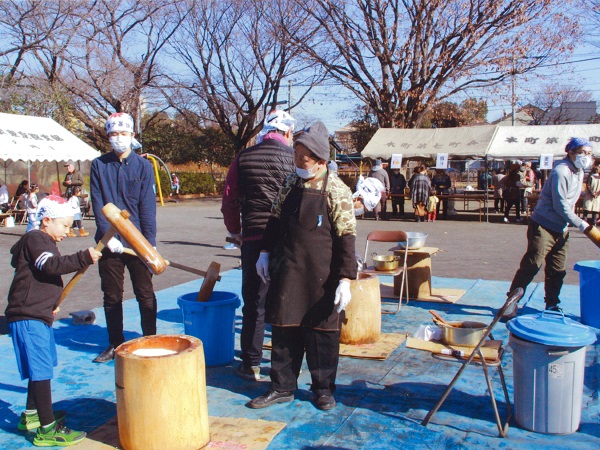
(390, 236)
(514, 297)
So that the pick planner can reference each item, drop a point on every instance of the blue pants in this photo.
(35, 349)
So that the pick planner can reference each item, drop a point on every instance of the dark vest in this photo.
(261, 172)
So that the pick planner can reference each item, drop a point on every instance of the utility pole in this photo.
(514, 98)
(290, 97)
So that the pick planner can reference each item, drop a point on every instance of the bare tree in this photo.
(400, 57)
(115, 61)
(238, 59)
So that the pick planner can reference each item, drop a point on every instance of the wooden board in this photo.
(490, 350)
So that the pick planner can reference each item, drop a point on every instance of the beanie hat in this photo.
(316, 139)
(278, 120)
(54, 207)
(119, 122)
(576, 142)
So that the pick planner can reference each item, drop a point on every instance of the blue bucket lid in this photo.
(551, 328)
(587, 265)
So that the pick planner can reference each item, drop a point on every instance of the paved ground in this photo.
(380, 403)
(192, 233)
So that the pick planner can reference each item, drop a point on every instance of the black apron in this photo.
(302, 290)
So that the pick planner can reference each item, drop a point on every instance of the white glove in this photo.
(262, 267)
(342, 295)
(115, 246)
(583, 226)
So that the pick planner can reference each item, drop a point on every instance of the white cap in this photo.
(54, 207)
(279, 120)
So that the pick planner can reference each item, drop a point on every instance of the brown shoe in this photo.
(70, 233)
(83, 233)
(325, 402)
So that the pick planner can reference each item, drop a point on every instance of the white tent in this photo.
(463, 142)
(499, 142)
(31, 138)
(533, 141)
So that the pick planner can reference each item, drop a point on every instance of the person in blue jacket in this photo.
(124, 178)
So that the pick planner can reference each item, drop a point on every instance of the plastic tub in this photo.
(589, 288)
(548, 370)
(212, 322)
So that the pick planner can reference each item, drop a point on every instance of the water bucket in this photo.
(161, 393)
(589, 284)
(213, 322)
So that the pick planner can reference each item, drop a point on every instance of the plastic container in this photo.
(548, 370)
(589, 284)
(212, 322)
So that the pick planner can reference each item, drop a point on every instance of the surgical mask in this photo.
(583, 161)
(307, 174)
(120, 144)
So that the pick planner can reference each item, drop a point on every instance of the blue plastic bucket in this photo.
(589, 292)
(212, 322)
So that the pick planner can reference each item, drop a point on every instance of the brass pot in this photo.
(467, 334)
(385, 263)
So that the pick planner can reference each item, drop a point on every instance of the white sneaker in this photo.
(505, 220)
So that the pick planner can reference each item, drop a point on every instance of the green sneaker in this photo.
(31, 422)
(57, 436)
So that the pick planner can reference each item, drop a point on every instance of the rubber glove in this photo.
(342, 295)
(262, 267)
(583, 226)
(115, 246)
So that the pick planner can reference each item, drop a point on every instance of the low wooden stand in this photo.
(419, 271)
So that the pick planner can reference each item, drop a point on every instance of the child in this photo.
(32, 303)
(32, 202)
(431, 208)
(174, 183)
(74, 202)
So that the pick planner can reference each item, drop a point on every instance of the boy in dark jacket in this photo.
(32, 303)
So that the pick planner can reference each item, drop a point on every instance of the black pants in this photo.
(437, 207)
(254, 293)
(112, 273)
(499, 204)
(509, 204)
(397, 204)
(322, 355)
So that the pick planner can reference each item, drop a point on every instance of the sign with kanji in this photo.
(546, 162)
(396, 162)
(442, 161)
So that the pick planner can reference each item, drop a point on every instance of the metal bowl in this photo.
(385, 262)
(467, 334)
(416, 240)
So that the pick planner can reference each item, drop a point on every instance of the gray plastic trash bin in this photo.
(548, 369)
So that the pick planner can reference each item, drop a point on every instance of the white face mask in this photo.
(307, 174)
(582, 161)
(120, 144)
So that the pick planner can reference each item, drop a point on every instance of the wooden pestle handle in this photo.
(175, 265)
(99, 247)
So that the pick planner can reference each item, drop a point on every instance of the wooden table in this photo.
(419, 271)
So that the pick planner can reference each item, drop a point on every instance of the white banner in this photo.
(546, 161)
(442, 161)
(396, 162)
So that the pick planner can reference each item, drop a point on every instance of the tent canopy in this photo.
(426, 142)
(31, 138)
(499, 142)
(533, 141)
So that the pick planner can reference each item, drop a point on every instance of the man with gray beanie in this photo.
(308, 256)
(547, 232)
(254, 178)
(379, 172)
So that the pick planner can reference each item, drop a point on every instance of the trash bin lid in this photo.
(551, 328)
(585, 265)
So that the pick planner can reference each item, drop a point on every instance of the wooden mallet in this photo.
(148, 254)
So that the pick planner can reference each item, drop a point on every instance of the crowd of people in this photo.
(294, 219)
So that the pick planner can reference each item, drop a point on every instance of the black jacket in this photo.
(261, 172)
(37, 285)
